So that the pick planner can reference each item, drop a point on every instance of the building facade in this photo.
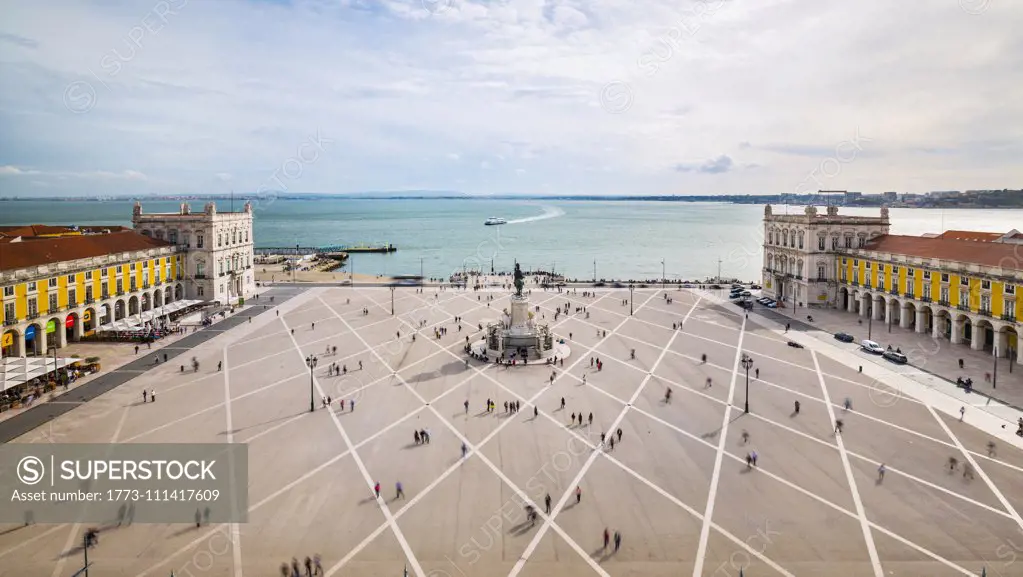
(217, 249)
(801, 251)
(59, 288)
(959, 285)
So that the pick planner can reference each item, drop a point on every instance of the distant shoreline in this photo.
(942, 203)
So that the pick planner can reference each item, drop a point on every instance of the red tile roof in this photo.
(41, 251)
(971, 235)
(996, 254)
(29, 230)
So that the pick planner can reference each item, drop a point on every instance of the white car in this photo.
(872, 347)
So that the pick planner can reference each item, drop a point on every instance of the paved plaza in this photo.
(676, 486)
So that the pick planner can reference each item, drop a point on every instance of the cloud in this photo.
(223, 176)
(718, 165)
(395, 85)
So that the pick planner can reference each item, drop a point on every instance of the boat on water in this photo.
(495, 220)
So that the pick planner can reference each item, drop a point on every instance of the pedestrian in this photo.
(136, 349)
(848, 403)
(376, 489)
(952, 464)
(990, 448)
(536, 411)
(506, 406)
(607, 538)
(618, 541)
(399, 492)
(314, 326)
(342, 401)
(351, 406)
(562, 403)
(572, 418)
(580, 419)
(880, 473)
(547, 503)
(308, 567)
(962, 412)
(317, 564)
(619, 434)
(466, 405)
(602, 438)
(838, 425)
(465, 450)
(152, 395)
(589, 419)
(796, 404)
(360, 365)
(749, 461)
(757, 373)
(416, 437)
(578, 494)
(745, 436)
(753, 456)
(220, 365)
(145, 395)
(612, 443)
(708, 382)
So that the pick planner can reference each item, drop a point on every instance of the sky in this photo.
(108, 97)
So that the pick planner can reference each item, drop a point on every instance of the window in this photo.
(220, 239)
(104, 290)
(944, 294)
(834, 243)
(9, 312)
(53, 302)
(88, 275)
(234, 237)
(944, 277)
(103, 273)
(868, 265)
(985, 304)
(964, 280)
(964, 298)
(53, 283)
(132, 266)
(820, 242)
(927, 291)
(172, 236)
(70, 279)
(909, 289)
(856, 262)
(198, 291)
(72, 297)
(198, 241)
(200, 269)
(32, 287)
(33, 307)
(800, 240)
(88, 292)
(120, 286)
(927, 275)
(848, 242)
(770, 237)
(880, 267)
(820, 271)
(845, 260)
(246, 235)
(985, 285)
(9, 291)
(880, 282)
(1010, 289)
(785, 238)
(895, 269)
(863, 242)
(131, 283)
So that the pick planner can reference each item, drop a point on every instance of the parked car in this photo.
(755, 287)
(795, 345)
(871, 347)
(895, 357)
(747, 294)
(771, 305)
(844, 337)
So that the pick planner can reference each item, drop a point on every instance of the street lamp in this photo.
(310, 362)
(662, 274)
(870, 319)
(747, 363)
(392, 301)
(994, 377)
(631, 287)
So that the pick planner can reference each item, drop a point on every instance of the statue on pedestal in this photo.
(518, 280)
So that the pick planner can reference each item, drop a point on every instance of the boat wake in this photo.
(548, 212)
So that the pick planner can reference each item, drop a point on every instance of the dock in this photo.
(325, 250)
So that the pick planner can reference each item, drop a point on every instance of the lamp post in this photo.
(870, 319)
(631, 309)
(392, 301)
(310, 361)
(662, 274)
(994, 375)
(420, 270)
(747, 363)
(594, 270)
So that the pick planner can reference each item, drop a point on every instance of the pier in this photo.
(325, 250)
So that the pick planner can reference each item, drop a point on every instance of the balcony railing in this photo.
(963, 307)
(120, 293)
(985, 312)
(9, 322)
(821, 279)
(32, 315)
(944, 302)
(855, 283)
(894, 291)
(145, 285)
(201, 276)
(89, 301)
(1009, 317)
(925, 299)
(157, 282)
(106, 295)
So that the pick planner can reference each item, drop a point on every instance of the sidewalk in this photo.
(935, 360)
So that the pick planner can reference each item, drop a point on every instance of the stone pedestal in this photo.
(519, 311)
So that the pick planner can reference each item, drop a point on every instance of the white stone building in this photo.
(800, 252)
(217, 245)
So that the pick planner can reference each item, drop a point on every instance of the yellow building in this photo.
(960, 285)
(61, 286)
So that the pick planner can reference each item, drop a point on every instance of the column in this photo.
(850, 302)
(864, 305)
(904, 319)
(921, 320)
(19, 343)
(957, 332)
(1002, 344)
(79, 326)
(877, 309)
(41, 337)
(60, 336)
(938, 325)
(1019, 352)
(979, 338)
